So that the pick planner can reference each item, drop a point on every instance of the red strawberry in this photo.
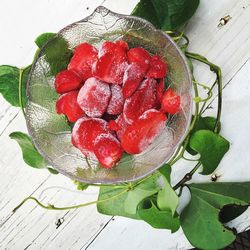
(108, 150)
(112, 125)
(81, 62)
(94, 97)
(171, 102)
(66, 81)
(85, 132)
(111, 64)
(116, 101)
(132, 78)
(122, 125)
(67, 105)
(122, 44)
(138, 136)
(143, 99)
(158, 68)
(160, 91)
(139, 56)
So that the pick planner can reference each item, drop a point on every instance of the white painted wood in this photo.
(33, 228)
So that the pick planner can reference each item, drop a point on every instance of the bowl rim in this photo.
(103, 10)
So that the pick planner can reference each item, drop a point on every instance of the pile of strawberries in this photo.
(116, 98)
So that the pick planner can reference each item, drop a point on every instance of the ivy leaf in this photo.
(211, 146)
(167, 199)
(157, 218)
(9, 83)
(200, 219)
(42, 39)
(57, 54)
(208, 123)
(166, 14)
(30, 154)
(127, 200)
(81, 185)
(114, 206)
(140, 192)
(53, 171)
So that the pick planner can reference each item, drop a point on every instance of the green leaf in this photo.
(81, 185)
(167, 199)
(30, 154)
(200, 219)
(211, 146)
(140, 192)
(58, 54)
(42, 39)
(53, 171)
(127, 200)
(166, 14)
(9, 83)
(208, 123)
(157, 218)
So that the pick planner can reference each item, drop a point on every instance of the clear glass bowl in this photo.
(52, 134)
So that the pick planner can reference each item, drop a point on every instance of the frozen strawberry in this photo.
(122, 125)
(158, 68)
(139, 56)
(84, 57)
(112, 125)
(132, 78)
(170, 102)
(108, 150)
(160, 91)
(122, 44)
(109, 68)
(85, 132)
(67, 105)
(116, 101)
(94, 97)
(138, 136)
(66, 81)
(143, 99)
(111, 64)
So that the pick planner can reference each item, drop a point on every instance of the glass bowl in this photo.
(52, 134)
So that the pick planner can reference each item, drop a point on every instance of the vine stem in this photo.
(217, 71)
(52, 207)
(187, 177)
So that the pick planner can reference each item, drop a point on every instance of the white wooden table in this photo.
(34, 228)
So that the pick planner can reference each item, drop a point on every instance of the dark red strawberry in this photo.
(111, 64)
(85, 132)
(171, 102)
(67, 105)
(160, 91)
(94, 97)
(66, 81)
(112, 125)
(122, 125)
(138, 136)
(108, 150)
(122, 44)
(143, 99)
(116, 101)
(84, 57)
(139, 56)
(132, 78)
(158, 68)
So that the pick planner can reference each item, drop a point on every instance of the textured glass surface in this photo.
(51, 132)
